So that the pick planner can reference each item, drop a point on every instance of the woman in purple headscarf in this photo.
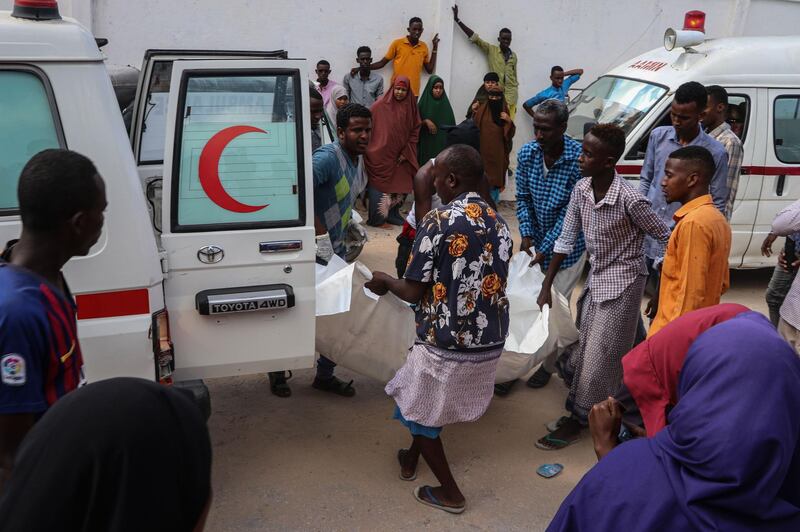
(729, 458)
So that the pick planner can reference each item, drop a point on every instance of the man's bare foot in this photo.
(438, 497)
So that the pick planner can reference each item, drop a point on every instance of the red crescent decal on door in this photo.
(209, 169)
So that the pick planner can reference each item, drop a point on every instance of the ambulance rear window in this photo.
(28, 125)
(787, 129)
(238, 152)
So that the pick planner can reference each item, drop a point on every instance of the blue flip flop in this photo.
(434, 502)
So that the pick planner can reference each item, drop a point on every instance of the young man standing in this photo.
(557, 90)
(686, 113)
(786, 223)
(547, 170)
(694, 273)
(324, 84)
(502, 60)
(339, 178)
(409, 55)
(614, 218)
(366, 86)
(456, 277)
(61, 203)
(715, 125)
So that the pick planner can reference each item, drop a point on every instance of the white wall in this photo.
(573, 33)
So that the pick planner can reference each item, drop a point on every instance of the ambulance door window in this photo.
(786, 124)
(639, 149)
(154, 118)
(739, 114)
(238, 152)
(29, 125)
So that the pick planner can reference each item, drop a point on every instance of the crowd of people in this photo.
(684, 392)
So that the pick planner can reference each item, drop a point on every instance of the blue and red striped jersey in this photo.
(40, 356)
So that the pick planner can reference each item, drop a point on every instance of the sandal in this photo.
(433, 502)
(540, 378)
(334, 385)
(401, 454)
(549, 443)
(501, 389)
(278, 385)
(552, 442)
(555, 425)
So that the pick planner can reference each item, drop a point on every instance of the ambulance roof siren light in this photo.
(692, 34)
(36, 9)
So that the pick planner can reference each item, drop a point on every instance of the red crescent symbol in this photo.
(209, 169)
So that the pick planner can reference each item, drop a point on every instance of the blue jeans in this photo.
(325, 367)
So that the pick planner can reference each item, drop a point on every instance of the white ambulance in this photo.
(205, 266)
(762, 77)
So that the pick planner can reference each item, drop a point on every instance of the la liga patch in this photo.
(12, 369)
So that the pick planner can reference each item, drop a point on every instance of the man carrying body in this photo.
(715, 125)
(409, 56)
(365, 87)
(61, 203)
(547, 170)
(457, 277)
(339, 178)
(324, 84)
(613, 217)
(502, 60)
(694, 273)
(557, 90)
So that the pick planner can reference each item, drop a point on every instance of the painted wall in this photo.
(573, 33)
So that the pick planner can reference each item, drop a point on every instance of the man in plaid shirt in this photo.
(614, 218)
(547, 170)
(717, 128)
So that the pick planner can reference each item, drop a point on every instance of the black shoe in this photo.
(334, 385)
(501, 389)
(395, 220)
(278, 385)
(540, 378)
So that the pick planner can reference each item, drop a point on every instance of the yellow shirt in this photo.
(695, 270)
(409, 60)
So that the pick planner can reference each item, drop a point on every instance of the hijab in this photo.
(440, 113)
(117, 455)
(395, 131)
(652, 368)
(330, 108)
(729, 458)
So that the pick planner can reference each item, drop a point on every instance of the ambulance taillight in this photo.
(162, 348)
(36, 9)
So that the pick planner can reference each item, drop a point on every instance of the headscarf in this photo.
(330, 108)
(481, 94)
(651, 369)
(440, 113)
(496, 106)
(729, 458)
(395, 131)
(117, 455)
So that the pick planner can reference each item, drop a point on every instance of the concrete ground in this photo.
(321, 462)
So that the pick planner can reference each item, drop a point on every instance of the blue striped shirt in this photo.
(542, 201)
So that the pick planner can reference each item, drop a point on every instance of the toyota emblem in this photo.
(210, 254)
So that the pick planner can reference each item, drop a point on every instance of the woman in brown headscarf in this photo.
(497, 132)
(391, 158)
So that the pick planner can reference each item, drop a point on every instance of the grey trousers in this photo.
(778, 287)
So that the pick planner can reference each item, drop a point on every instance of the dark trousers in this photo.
(403, 252)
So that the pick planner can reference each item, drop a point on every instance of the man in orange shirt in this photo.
(409, 55)
(694, 273)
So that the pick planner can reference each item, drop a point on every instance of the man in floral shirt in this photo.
(456, 276)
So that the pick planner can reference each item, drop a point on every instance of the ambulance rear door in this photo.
(237, 217)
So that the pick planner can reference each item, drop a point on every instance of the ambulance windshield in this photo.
(614, 100)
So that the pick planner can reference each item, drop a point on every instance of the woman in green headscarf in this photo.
(435, 111)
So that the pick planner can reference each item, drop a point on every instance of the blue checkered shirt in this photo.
(542, 201)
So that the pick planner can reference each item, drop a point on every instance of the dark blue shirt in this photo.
(40, 358)
(462, 249)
